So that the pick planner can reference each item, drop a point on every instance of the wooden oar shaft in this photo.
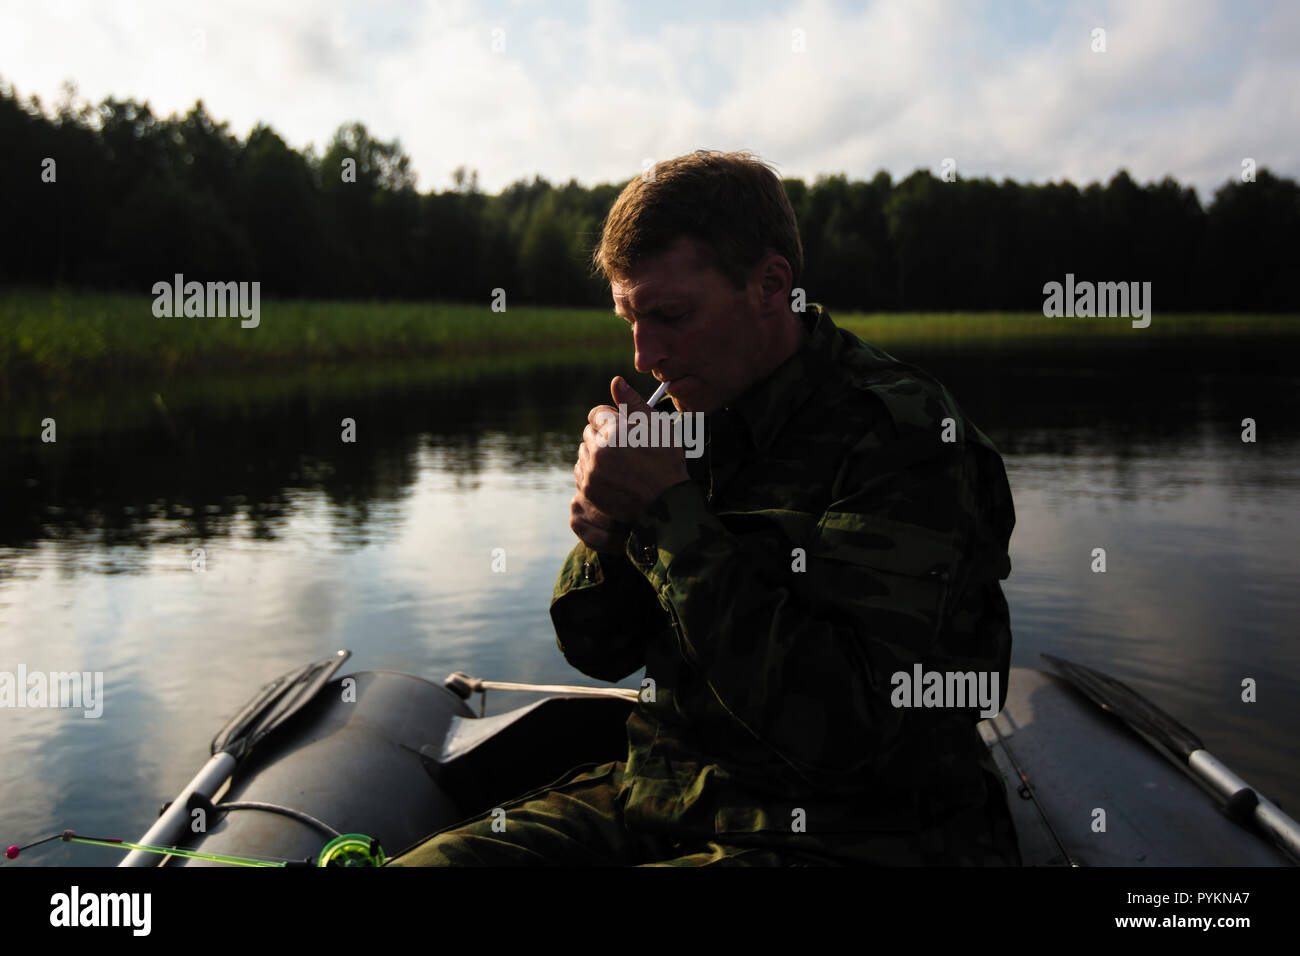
(620, 692)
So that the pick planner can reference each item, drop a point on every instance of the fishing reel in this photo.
(351, 849)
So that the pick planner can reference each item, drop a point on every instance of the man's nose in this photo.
(651, 347)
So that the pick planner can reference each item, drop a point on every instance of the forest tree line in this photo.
(136, 198)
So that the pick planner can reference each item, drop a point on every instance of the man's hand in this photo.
(596, 529)
(616, 484)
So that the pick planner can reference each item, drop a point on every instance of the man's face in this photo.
(690, 327)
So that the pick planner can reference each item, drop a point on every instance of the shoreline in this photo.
(72, 341)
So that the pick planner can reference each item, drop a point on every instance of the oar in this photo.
(462, 685)
(1241, 802)
(270, 708)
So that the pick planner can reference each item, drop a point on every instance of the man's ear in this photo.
(776, 280)
(764, 292)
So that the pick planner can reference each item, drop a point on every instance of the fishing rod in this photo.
(347, 849)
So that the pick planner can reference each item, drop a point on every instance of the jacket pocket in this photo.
(889, 571)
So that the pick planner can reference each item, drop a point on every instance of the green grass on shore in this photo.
(977, 328)
(64, 337)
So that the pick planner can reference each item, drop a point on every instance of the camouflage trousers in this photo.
(578, 821)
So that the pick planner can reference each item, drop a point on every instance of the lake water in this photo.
(385, 547)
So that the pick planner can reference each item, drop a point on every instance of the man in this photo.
(846, 525)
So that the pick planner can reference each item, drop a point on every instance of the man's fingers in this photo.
(601, 539)
(622, 392)
(583, 508)
(602, 415)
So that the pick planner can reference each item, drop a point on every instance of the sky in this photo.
(596, 90)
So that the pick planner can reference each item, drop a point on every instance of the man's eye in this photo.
(661, 317)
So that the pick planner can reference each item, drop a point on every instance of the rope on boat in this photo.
(300, 815)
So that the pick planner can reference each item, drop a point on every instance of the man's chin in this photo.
(686, 405)
(691, 400)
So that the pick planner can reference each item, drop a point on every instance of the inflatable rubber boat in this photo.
(321, 770)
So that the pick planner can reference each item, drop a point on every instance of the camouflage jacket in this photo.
(829, 538)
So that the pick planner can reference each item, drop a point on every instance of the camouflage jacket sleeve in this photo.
(803, 659)
(609, 612)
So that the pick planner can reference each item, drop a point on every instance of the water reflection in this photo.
(385, 546)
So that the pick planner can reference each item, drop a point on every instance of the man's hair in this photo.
(732, 203)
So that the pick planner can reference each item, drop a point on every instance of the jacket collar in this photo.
(768, 404)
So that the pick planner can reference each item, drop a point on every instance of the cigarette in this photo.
(659, 393)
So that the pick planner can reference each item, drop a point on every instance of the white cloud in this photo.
(1184, 88)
